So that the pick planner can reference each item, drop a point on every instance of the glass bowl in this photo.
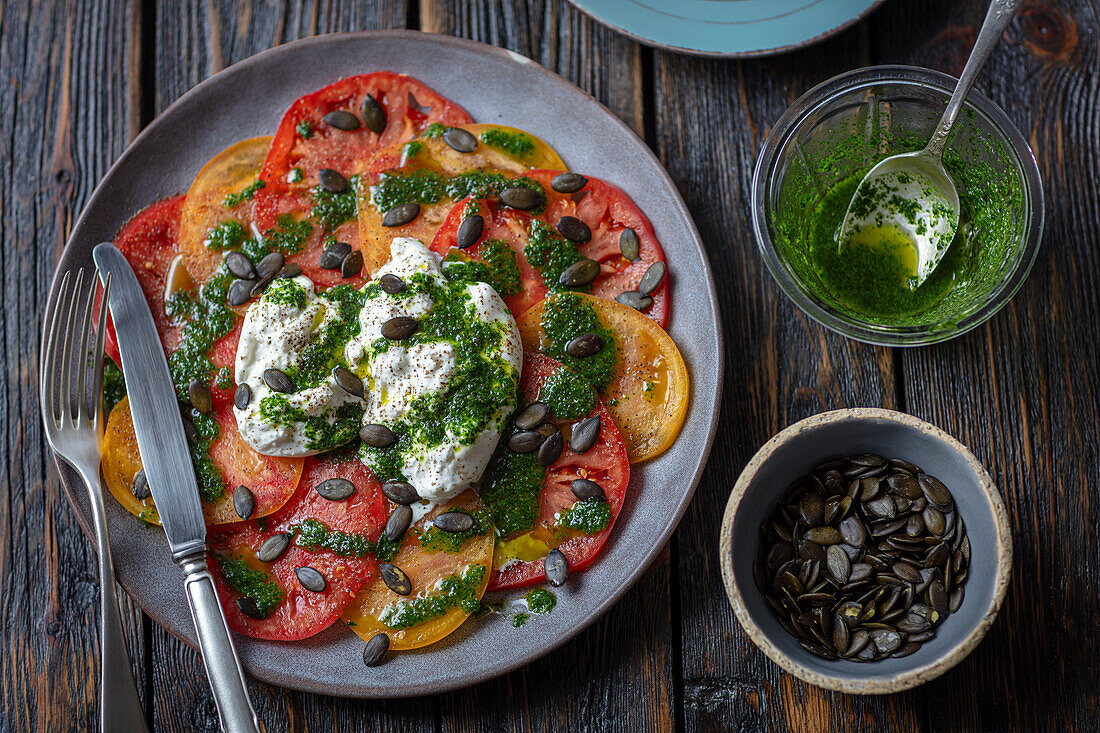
(840, 129)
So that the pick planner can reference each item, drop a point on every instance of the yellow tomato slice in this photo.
(228, 172)
(433, 156)
(425, 568)
(121, 462)
(271, 479)
(648, 396)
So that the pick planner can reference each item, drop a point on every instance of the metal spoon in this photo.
(908, 201)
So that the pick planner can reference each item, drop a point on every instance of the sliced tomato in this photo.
(149, 243)
(426, 568)
(648, 394)
(519, 559)
(272, 480)
(608, 212)
(430, 155)
(227, 174)
(305, 144)
(301, 612)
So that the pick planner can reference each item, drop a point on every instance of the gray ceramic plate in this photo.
(494, 85)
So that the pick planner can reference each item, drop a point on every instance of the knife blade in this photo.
(154, 407)
(167, 463)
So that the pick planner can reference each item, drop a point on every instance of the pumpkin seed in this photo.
(352, 265)
(249, 607)
(290, 269)
(348, 380)
(556, 566)
(374, 119)
(140, 486)
(395, 579)
(584, 434)
(399, 327)
(311, 579)
(584, 346)
(574, 229)
(634, 299)
(400, 492)
(278, 381)
(374, 653)
(568, 182)
(398, 522)
(629, 244)
(531, 416)
(585, 489)
(525, 441)
(460, 140)
(333, 255)
(332, 180)
(377, 436)
(273, 547)
(401, 215)
(551, 449)
(391, 284)
(244, 502)
(521, 198)
(198, 393)
(336, 489)
(454, 521)
(580, 273)
(240, 291)
(469, 231)
(268, 267)
(652, 278)
(240, 266)
(341, 119)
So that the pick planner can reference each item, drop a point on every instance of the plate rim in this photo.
(752, 54)
(72, 488)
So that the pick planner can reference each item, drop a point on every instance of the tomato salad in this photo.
(415, 358)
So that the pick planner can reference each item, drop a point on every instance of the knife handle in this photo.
(223, 669)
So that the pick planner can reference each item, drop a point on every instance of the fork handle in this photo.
(218, 654)
(120, 709)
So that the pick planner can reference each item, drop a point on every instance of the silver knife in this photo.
(167, 462)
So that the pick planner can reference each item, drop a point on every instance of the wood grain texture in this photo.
(712, 117)
(619, 673)
(1022, 391)
(63, 124)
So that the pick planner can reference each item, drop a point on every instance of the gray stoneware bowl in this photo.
(493, 85)
(793, 453)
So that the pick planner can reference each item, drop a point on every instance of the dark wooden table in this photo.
(81, 77)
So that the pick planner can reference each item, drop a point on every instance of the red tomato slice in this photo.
(604, 208)
(410, 106)
(149, 242)
(605, 463)
(302, 612)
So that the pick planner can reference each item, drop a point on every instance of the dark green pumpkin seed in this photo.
(584, 434)
(240, 266)
(521, 198)
(352, 265)
(341, 119)
(336, 489)
(377, 436)
(374, 653)
(568, 182)
(273, 547)
(811, 508)
(629, 244)
(399, 327)
(250, 608)
(401, 215)
(140, 486)
(525, 441)
(259, 286)
(574, 229)
(374, 119)
(469, 231)
(244, 502)
(311, 579)
(395, 579)
(290, 269)
(652, 278)
(934, 490)
(584, 346)
(824, 535)
(460, 140)
(556, 567)
(333, 255)
(585, 489)
(580, 273)
(934, 520)
(454, 521)
(348, 380)
(838, 563)
(278, 381)
(240, 291)
(268, 267)
(198, 393)
(398, 522)
(332, 180)
(634, 299)
(531, 416)
(400, 492)
(551, 449)
(391, 284)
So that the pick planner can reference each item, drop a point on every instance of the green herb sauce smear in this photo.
(567, 316)
(256, 584)
(455, 591)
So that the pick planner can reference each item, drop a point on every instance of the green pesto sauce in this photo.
(114, 386)
(295, 175)
(515, 144)
(305, 129)
(314, 535)
(497, 267)
(288, 236)
(482, 383)
(550, 254)
(520, 619)
(541, 601)
(589, 517)
(437, 539)
(412, 149)
(567, 316)
(285, 291)
(434, 131)
(429, 187)
(321, 433)
(510, 490)
(256, 584)
(567, 394)
(326, 350)
(330, 210)
(454, 591)
(225, 235)
(245, 194)
(873, 282)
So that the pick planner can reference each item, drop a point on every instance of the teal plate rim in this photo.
(728, 28)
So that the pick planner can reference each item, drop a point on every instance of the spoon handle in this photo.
(997, 18)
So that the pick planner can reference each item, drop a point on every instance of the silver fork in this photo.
(73, 415)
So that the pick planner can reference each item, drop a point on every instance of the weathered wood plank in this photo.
(619, 673)
(67, 80)
(1022, 391)
(192, 41)
(712, 117)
